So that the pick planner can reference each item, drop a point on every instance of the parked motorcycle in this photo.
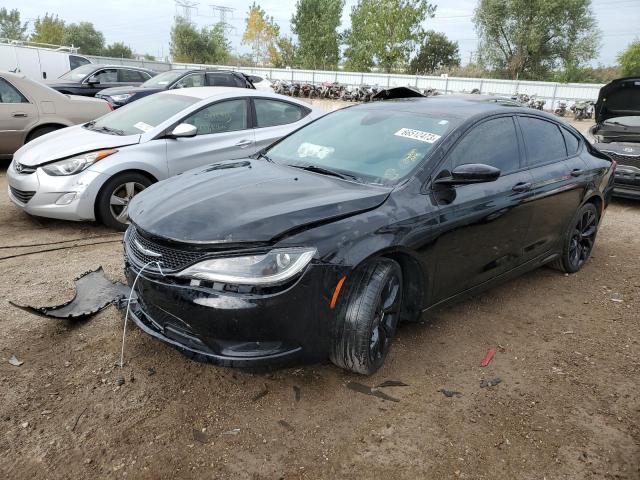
(579, 110)
(561, 110)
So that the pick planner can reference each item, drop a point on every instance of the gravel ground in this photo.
(567, 408)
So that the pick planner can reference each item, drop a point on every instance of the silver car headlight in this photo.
(73, 165)
(272, 268)
(121, 97)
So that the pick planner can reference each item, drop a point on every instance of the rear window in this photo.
(275, 112)
(380, 146)
(131, 76)
(221, 80)
(142, 115)
(572, 142)
(543, 140)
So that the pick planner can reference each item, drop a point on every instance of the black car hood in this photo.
(620, 98)
(122, 90)
(246, 201)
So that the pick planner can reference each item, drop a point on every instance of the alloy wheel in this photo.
(386, 319)
(120, 198)
(582, 239)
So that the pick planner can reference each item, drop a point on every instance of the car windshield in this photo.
(163, 79)
(380, 146)
(141, 116)
(624, 121)
(77, 74)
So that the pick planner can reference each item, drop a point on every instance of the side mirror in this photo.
(183, 130)
(470, 173)
(93, 79)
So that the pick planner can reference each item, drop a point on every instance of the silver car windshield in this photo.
(78, 74)
(374, 146)
(141, 116)
(163, 79)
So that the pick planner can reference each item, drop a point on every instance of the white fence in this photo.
(550, 91)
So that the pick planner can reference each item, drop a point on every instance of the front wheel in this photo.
(112, 204)
(578, 240)
(366, 323)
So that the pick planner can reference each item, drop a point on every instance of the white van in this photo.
(38, 63)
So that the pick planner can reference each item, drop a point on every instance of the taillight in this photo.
(614, 165)
(110, 106)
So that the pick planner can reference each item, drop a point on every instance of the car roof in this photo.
(98, 65)
(203, 93)
(460, 105)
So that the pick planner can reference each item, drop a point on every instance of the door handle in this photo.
(244, 143)
(522, 187)
(576, 172)
(19, 115)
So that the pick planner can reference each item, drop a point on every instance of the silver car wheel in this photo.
(120, 198)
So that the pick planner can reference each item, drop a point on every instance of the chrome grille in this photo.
(141, 250)
(22, 196)
(630, 160)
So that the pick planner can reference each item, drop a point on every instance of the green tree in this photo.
(119, 50)
(84, 36)
(383, 33)
(48, 29)
(261, 33)
(190, 45)
(629, 60)
(532, 38)
(316, 23)
(286, 53)
(10, 25)
(148, 56)
(436, 52)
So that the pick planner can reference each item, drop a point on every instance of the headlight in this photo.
(271, 268)
(121, 98)
(71, 166)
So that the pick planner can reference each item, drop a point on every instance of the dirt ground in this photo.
(568, 406)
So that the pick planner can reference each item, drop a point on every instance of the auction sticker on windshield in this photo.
(419, 135)
(145, 127)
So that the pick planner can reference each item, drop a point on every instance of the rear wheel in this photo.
(112, 204)
(579, 240)
(38, 132)
(368, 316)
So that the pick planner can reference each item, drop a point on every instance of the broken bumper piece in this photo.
(235, 329)
(94, 292)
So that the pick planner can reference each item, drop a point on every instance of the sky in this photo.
(145, 26)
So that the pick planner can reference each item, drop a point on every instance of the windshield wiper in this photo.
(109, 130)
(262, 154)
(325, 171)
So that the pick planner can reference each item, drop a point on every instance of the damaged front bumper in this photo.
(239, 329)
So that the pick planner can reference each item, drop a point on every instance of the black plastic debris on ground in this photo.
(392, 383)
(94, 291)
(492, 382)
(296, 391)
(450, 393)
(360, 388)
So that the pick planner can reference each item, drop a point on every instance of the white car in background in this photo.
(91, 171)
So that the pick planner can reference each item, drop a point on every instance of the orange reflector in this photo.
(336, 292)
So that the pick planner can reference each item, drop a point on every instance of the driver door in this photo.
(224, 133)
(483, 225)
(105, 78)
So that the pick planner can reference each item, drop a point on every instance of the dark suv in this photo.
(120, 96)
(617, 132)
(87, 80)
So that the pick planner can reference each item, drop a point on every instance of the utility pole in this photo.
(221, 12)
(187, 6)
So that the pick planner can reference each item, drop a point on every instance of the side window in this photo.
(193, 80)
(75, 61)
(108, 75)
(10, 94)
(221, 80)
(572, 142)
(130, 76)
(493, 142)
(226, 116)
(275, 112)
(240, 82)
(543, 140)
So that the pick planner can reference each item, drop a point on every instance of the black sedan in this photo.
(89, 79)
(371, 215)
(617, 132)
(120, 96)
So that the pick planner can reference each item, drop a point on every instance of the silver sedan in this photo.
(91, 171)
